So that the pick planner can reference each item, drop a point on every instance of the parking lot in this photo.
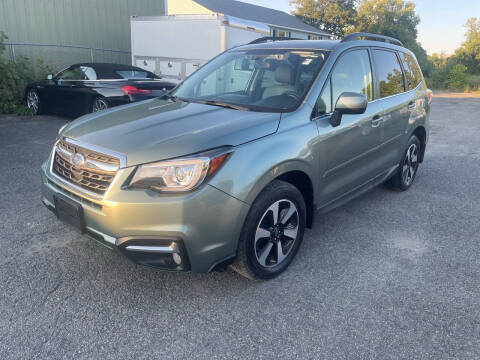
(388, 276)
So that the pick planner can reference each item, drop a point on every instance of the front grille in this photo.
(95, 171)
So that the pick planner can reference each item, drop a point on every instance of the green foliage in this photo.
(469, 53)
(15, 77)
(397, 18)
(473, 83)
(333, 16)
(461, 71)
(457, 78)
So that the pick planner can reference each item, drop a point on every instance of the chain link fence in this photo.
(58, 57)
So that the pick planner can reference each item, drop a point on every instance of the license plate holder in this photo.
(69, 212)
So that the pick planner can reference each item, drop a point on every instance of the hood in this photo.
(158, 129)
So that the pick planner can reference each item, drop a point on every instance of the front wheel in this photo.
(272, 233)
(408, 167)
(99, 104)
(33, 102)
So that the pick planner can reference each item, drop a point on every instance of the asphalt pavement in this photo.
(388, 276)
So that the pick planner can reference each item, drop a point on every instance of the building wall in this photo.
(92, 23)
(186, 7)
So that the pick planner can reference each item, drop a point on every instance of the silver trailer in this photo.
(175, 46)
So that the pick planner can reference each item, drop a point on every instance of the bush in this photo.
(457, 78)
(14, 79)
(473, 83)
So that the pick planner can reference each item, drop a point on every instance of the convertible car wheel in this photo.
(33, 101)
(99, 104)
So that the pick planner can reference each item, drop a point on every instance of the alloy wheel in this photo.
(33, 101)
(276, 233)
(99, 105)
(410, 164)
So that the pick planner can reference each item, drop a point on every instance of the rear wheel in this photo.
(99, 104)
(272, 233)
(33, 102)
(408, 167)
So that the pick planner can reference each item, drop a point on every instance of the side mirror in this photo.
(50, 77)
(348, 103)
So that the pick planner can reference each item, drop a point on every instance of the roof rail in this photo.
(270, 39)
(388, 39)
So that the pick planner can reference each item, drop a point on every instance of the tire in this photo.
(98, 104)
(408, 167)
(33, 101)
(258, 256)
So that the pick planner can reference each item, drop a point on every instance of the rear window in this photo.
(389, 73)
(412, 72)
(135, 74)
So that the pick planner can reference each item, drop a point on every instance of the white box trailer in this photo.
(175, 46)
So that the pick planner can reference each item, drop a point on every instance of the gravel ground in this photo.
(388, 276)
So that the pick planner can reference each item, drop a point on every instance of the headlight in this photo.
(178, 175)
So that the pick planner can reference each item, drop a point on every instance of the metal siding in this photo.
(92, 23)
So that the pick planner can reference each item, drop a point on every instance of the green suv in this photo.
(230, 167)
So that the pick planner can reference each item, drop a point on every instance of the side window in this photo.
(134, 74)
(88, 73)
(412, 73)
(72, 74)
(324, 102)
(389, 73)
(352, 73)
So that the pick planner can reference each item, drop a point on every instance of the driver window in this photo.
(72, 74)
(88, 73)
(352, 73)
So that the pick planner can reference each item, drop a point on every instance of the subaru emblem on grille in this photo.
(78, 160)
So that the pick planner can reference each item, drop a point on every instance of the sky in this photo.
(441, 26)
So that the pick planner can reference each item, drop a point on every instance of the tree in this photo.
(395, 18)
(457, 78)
(333, 16)
(469, 53)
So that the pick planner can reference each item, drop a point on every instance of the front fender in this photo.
(255, 164)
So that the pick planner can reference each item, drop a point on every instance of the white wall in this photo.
(190, 39)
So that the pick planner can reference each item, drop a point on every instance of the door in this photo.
(396, 102)
(348, 156)
(72, 92)
(62, 92)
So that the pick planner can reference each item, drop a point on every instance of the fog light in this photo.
(177, 258)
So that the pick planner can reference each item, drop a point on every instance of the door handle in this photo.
(376, 120)
(411, 105)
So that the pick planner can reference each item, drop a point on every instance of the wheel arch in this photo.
(304, 184)
(25, 94)
(295, 172)
(28, 88)
(421, 133)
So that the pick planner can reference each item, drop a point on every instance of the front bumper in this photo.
(193, 231)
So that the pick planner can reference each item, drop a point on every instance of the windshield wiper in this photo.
(222, 104)
(171, 97)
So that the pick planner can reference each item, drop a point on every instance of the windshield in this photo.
(270, 80)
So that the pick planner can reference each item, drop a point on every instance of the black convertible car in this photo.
(91, 87)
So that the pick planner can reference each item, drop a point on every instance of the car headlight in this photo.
(179, 175)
